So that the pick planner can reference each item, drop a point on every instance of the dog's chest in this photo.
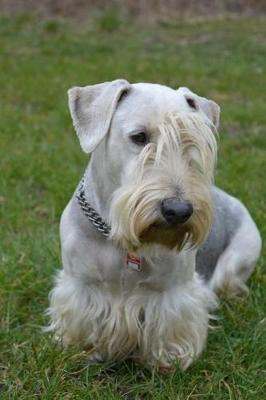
(121, 272)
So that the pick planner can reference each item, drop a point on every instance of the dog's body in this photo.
(159, 313)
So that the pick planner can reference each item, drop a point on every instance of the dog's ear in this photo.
(208, 107)
(92, 109)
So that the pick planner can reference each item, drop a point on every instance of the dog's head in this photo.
(156, 149)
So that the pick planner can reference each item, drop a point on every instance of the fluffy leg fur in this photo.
(157, 328)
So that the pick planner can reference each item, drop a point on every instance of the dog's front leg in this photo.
(86, 304)
(176, 323)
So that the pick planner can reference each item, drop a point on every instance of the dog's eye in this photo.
(140, 138)
(191, 103)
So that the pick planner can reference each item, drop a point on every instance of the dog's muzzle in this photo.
(176, 212)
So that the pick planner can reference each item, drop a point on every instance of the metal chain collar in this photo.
(90, 213)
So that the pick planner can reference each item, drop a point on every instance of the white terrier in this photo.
(146, 239)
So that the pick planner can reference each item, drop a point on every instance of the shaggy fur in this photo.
(155, 328)
(160, 314)
(181, 162)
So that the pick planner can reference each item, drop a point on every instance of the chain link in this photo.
(90, 213)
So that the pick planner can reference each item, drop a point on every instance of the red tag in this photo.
(133, 262)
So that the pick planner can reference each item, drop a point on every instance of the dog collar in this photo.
(133, 261)
(90, 212)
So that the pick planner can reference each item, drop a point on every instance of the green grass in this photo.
(41, 163)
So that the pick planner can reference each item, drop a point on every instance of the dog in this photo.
(147, 240)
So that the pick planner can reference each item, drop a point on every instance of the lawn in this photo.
(41, 163)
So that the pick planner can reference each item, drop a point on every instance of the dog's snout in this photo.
(176, 212)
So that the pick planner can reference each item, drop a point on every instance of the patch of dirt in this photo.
(144, 10)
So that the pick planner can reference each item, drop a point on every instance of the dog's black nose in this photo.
(176, 212)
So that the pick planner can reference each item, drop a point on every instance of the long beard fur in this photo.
(182, 162)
